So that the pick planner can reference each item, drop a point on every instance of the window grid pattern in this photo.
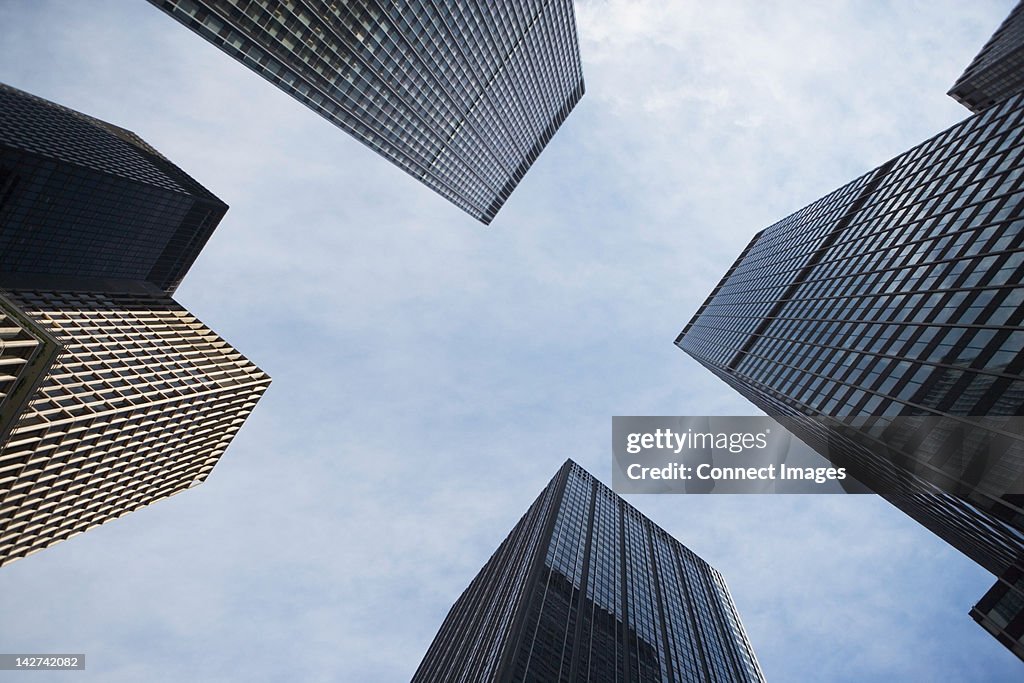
(83, 198)
(611, 598)
(19, 347)
(462, 96)
(26, 354)
(470, 643)
(140, 405)
(997, 72)
(1001, 610)
(898, 295)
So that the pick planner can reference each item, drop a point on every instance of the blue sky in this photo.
(431, 374)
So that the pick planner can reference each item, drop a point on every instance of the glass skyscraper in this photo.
(997, 72)
(898, 294)
(884, 325)
(462, 96)
(82, 198)
(112, 395)
(585, 588)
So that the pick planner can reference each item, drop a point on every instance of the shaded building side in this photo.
(884, 325)
(82, 198)
(997, 72)
(586, 588)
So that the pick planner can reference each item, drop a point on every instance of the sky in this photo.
(431, 374)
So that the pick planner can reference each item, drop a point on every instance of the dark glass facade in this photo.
(585, 588)
(83, 198)
(997, 72)
(898, 296)
(461, 95)
(1001, 610)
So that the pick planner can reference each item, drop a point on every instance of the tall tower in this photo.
(140, 404)
(82, 198)
(884, 325)
(462, 96)
(112, 395)
(585, 588)
(997, 72)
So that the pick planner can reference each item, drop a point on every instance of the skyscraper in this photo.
(884, 325)
(27, 351)
(997, 72)
(81, 198)
(1001, 610)
(585, 588)
(462, 96)
(112, 395)
(141, 403)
